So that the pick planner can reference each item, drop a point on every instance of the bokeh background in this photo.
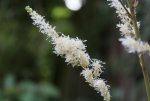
(30, 71)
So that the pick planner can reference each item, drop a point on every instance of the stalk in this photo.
(141, 56)
(145, 74)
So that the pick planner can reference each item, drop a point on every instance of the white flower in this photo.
(127, 30)
(134, 46)
(88, 75)
(125, 26)
(96, 66)
(73, 50)
(40, 22)
(100, 86)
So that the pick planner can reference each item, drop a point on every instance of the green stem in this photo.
(145, 74)
(141, 56)
(134, 21)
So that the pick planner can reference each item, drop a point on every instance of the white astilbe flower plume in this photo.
(96, 66)
(125, 26)
(101, 86)
(72, 49)
(74, 52)
(133, 45)
(128, 40)
(88, 75)
(92, 77)
(39, 21)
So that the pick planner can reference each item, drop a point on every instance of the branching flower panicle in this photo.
(131, 36)
(129, 39)
(74, 51)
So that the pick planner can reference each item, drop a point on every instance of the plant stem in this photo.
(134, 21)
(145, 74)
(141, 56)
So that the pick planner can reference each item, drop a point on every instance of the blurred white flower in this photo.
(134, 46)
(125, 26)
(127, 30)
(100, 86)
(96, 66)
(88, 75)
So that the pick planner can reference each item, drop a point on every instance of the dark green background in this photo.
(30, 71)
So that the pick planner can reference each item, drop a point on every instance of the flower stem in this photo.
(145, 74)
(141, 56)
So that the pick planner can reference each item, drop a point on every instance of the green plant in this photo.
(130, 32)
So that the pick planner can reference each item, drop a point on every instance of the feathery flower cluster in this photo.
(133, 45)
(126, 28)
(92, 77)
(40, 22)
(74, 51)
(101, 86)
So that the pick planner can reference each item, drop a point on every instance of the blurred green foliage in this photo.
(26, 90)
(29, 70)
